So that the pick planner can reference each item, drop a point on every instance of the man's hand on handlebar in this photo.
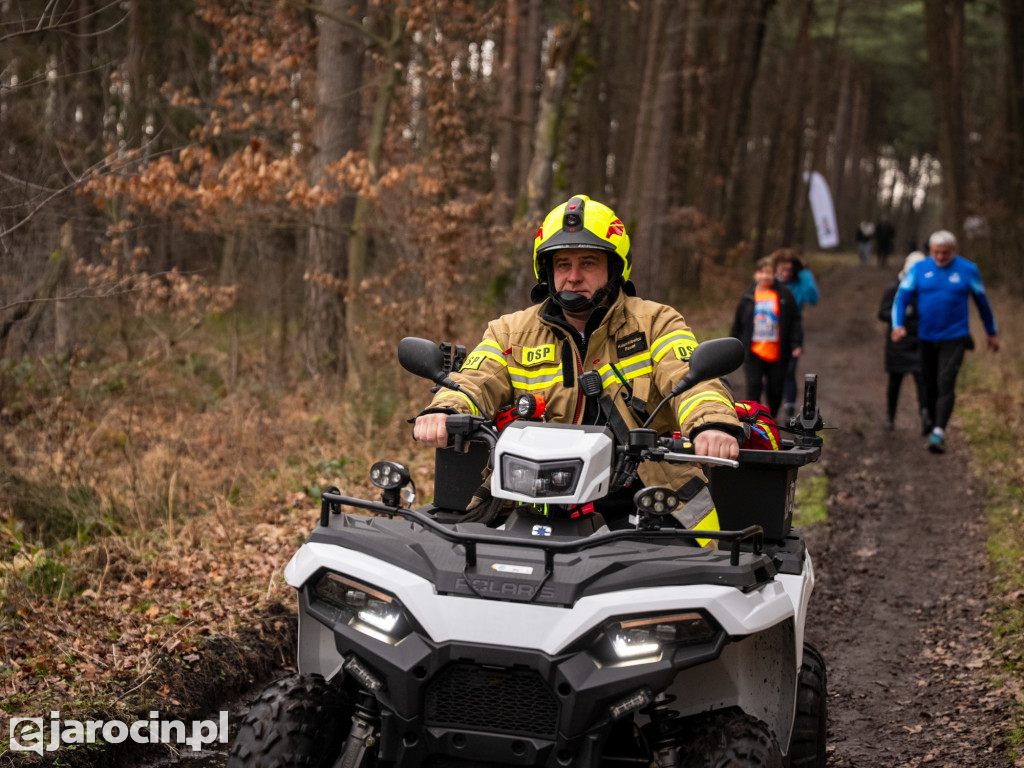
(430, 429)
(714, 442)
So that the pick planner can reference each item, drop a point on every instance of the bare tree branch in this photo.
(381, 42)
(64, 26)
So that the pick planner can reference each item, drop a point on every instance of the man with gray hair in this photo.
(941, 284)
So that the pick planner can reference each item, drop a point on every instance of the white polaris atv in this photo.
(542, 638)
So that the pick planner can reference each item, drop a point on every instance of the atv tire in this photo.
(807, 745)
(728, 739)
(298, 720)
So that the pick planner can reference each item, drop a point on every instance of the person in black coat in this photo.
(903, 356)
(885, 236)
(768, 323)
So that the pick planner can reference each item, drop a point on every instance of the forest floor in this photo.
(899, 606)
(899, 609)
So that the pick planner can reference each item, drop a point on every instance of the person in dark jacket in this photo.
(768, 323)
(903, 356)
(885, 236)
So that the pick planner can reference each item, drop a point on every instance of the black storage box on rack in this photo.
(761, 490)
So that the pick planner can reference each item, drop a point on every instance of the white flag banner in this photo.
(823, 210)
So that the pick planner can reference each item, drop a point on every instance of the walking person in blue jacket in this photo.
(791, 271)
(941, 284)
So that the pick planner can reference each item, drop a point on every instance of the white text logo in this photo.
(28, 734)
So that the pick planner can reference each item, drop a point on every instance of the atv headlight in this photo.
(540, 479)
(649, 635)
(370, 611)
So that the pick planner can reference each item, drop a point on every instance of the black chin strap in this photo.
(577, 302)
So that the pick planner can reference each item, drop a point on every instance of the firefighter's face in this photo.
(580, 270)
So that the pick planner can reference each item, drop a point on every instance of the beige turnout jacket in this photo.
(639, 349)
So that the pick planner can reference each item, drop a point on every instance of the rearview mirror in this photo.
(714, 358)
(422, 358)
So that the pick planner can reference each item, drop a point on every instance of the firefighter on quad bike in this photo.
(586, 317)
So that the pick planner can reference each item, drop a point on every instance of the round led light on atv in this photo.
(656, 500)
(388, 475)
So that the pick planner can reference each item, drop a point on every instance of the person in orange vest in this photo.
(768, 323)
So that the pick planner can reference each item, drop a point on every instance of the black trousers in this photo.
(765, 377)
(892, 393)
(940, 365)
(789, 387)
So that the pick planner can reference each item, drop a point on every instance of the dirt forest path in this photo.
(899, 603)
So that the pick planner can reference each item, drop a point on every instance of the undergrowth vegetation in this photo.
(991, 409)
(146, 507)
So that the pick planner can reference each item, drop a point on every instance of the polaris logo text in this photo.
(505, 589)
(28, 734)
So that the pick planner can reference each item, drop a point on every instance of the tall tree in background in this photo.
(1012, 189)
(944, 20)
(787, 121)
(1013, 18)
(646, 195)
(506, 129)
(339, 63)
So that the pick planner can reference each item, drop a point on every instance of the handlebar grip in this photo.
(463, 428)
(693, 458)
(810, 409)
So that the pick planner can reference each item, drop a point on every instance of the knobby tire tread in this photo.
(729, 739)
(807, 745)
(298, 721)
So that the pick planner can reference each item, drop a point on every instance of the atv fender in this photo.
(757, 674)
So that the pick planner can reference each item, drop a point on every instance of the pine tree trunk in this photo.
(355, 314)
(545, 146)
(507, 172)
(647, 189)
(944, 24)
(335, 132)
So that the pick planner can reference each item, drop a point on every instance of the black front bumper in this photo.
(454, 703)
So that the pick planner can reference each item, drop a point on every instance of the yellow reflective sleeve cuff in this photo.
(689, 404)
(472, 408)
